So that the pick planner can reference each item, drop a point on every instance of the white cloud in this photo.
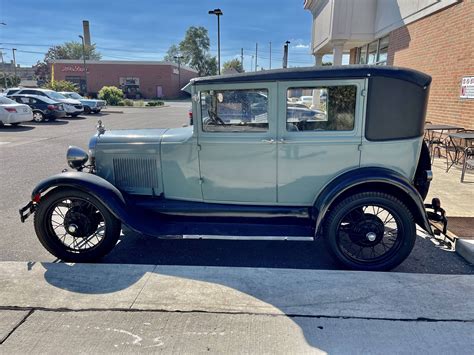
(301, 45)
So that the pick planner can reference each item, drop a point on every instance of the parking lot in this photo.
(35, 151)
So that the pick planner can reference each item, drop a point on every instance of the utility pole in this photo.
(285, 54)
(84, 58)
(14, 61)
(218, 13)
(242, 57)
(256, 54)
(251, 64)
(3, 70)
(270, 55)
(179, 57)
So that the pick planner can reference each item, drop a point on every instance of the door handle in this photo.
(283, 141)
(270, 141)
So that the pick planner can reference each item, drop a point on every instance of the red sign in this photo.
(73, 68)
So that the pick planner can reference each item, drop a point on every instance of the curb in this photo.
(465, 248)
(112, 111)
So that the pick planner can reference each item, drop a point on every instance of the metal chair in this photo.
(454, 150)
(468, 157)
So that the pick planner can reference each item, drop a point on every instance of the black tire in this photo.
(47, 235)
(353, 230)
(38, 116)
(16, 124)
(87, 110)
(74, 114)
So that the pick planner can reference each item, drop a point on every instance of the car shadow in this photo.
(50, 123)
(77, 118)
(19, 128)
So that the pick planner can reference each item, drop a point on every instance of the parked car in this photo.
(13, 113)
(357, 179)
(90, 105)
(10, 91)
(72, 107)
(43, 107)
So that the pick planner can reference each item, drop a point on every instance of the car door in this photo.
(318, 142)
(237, 128)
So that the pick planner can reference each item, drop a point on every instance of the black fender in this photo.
(104, 191)
(371, 179)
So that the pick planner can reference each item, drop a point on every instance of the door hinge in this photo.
(199, 147)
(363, 92)
(359, 147)
(201, 180)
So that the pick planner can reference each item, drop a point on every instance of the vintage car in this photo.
(90, 105)
(356, 175)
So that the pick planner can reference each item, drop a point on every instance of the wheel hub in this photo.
(368, 231)
(79, 224)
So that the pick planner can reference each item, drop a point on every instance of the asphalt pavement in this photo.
(35, 151)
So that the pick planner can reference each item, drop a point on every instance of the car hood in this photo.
(69, 101)
(132, 136)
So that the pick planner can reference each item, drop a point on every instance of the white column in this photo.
(318, 60)
(337, 50)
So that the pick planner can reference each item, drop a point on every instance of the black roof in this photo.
(323, 72)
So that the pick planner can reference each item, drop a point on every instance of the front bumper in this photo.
(27, 211)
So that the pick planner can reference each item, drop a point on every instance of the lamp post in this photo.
(178, 58)
(84, 58)
(14, 61)
(285, 54)
(218, 13)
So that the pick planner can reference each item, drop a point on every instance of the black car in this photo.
(43, 107)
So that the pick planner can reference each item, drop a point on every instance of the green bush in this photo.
(155, 103)
(61, 85)
(113, 95)
(127, 102)
(120, 103)
(139, 103)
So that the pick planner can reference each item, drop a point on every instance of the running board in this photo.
(237, 237)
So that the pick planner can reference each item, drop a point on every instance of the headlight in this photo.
(76, 157)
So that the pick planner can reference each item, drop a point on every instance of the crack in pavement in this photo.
(288, 315)
(23, 320)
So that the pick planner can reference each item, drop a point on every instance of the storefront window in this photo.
(383, 51)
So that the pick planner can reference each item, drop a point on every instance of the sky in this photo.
(144, 30)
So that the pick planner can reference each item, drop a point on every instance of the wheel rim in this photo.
(369, 233)
(77, 224)
(38, 117)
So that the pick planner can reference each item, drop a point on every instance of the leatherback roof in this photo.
(324, 72)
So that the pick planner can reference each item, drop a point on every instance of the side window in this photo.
(329, 108)
(234, 110)
(25, 100)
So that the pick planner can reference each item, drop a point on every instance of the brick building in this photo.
(433, 36)
(148, 80)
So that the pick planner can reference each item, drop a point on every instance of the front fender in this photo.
(372, 179)
(104, 191)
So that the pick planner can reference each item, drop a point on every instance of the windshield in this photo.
(74, 95)
(55, 95)
(6, 101)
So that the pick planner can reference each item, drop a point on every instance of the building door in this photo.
(237, 129)
(159, 91)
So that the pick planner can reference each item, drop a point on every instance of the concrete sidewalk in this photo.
(175, 309)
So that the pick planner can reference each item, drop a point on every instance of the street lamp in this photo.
(218, 13)
(84, 58)
(178, 58)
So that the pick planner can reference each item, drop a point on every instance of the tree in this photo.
(172, 52)
(41, 72)
(72, 50)
(11, 81)
(61, 85)
(234, 64)
(195, 51)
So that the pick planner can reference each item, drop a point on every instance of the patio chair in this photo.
(469, 157)
(434, 142)
(454, 150)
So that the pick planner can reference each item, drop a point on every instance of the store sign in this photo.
(73, 68)
(467, 87)
(129, 81)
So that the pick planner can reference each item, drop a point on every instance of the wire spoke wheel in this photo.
(77, 224)
(368, 233)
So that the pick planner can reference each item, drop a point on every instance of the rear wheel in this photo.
(74, 226)
(87, 110)
(38, 116)
(370, 231)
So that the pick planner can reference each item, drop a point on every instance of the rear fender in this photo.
(371, 179)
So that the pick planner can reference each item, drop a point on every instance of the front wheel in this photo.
(74, 226)
(370, 231)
